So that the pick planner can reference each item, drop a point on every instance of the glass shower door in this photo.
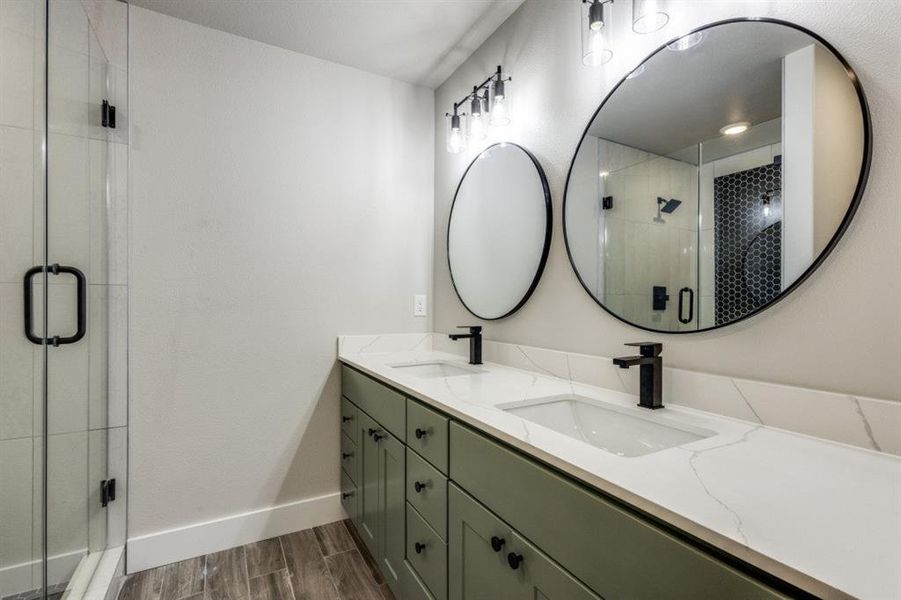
(62, 237)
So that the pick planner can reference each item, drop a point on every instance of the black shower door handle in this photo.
(691, 304)
(81, 307)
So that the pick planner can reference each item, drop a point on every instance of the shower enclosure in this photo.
(63, 296)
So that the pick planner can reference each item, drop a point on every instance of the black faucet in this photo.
(475, 342)
(651, 372)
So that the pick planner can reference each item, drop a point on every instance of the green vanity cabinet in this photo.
(609, 549)
(382, 464)
(488, 560)
(449, 513)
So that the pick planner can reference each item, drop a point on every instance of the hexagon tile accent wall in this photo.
(747, 246)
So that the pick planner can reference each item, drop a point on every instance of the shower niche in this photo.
(716, 176)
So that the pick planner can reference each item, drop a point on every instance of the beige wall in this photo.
(278, 201)
(840, 331)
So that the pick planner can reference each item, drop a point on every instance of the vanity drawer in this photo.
(350, 420)
(380, 402)
(349, 458)
(609, 549)
(427, 434)
(349, 497)
(431, 498)
(430, 561)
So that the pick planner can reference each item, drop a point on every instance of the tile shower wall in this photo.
(642, 249)
(747, 211)
(709, 172)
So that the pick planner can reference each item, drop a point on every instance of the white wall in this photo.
(822, 335)
(278, 200)
(798, 139)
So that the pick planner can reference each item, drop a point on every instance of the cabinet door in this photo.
(392, 515)
(543, 577)
(368, 487)
(476, 571)
(488, 560)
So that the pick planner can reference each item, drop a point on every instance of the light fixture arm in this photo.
(497, 76)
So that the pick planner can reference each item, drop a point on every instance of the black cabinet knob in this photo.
(418, 486)
(347, 495)
(497, 543)
(514, 560)
(418, 547)
(370, 431)
(421, 433)
(346, 419)
(378, 435)
(346, 454)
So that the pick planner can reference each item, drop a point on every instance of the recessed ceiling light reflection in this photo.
(735, 128)
(686, 41)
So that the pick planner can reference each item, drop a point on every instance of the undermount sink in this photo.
(616, 429)
(435, 369)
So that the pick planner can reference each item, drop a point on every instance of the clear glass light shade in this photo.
(478, 120)
(596, 28)
(456, 133)
(649, 16)
(499, 104)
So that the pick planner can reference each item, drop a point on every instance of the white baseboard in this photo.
(164, 547)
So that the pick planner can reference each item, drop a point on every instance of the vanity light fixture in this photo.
(648, 16)
(499, 99)
(595, 47)
(478, 126)
(489, 104)
(456, 136)
(735, 128)
(686, 42)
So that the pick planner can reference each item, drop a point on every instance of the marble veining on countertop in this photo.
(822, 515)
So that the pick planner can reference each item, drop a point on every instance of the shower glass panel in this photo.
(650, 238)
(63, 294)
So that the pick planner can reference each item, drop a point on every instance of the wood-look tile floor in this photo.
(324, 563)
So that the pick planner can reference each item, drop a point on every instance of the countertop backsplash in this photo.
(869, 423)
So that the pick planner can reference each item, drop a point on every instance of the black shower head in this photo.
(668, 206)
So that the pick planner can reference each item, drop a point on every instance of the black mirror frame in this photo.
(839, 232)
(547, 232)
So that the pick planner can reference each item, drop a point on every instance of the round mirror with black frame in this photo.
(499, 231)
(717, 176)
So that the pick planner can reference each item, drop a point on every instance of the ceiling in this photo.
(417, 41)
(683, 98)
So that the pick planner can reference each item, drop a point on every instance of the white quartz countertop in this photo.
(821, 515)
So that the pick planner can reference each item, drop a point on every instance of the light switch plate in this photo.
(419, 303)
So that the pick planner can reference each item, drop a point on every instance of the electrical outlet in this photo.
(419, 303)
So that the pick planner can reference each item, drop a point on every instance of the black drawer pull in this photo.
(370, 432)
(347, 495)
(421, 433)
(346, 419)
(497, 543)
(514, 560)
(377, 436)
(346, 454)
(418, 486)
(418, 547)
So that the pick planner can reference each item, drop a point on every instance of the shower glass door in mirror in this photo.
(62, 292)
(716, 176)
